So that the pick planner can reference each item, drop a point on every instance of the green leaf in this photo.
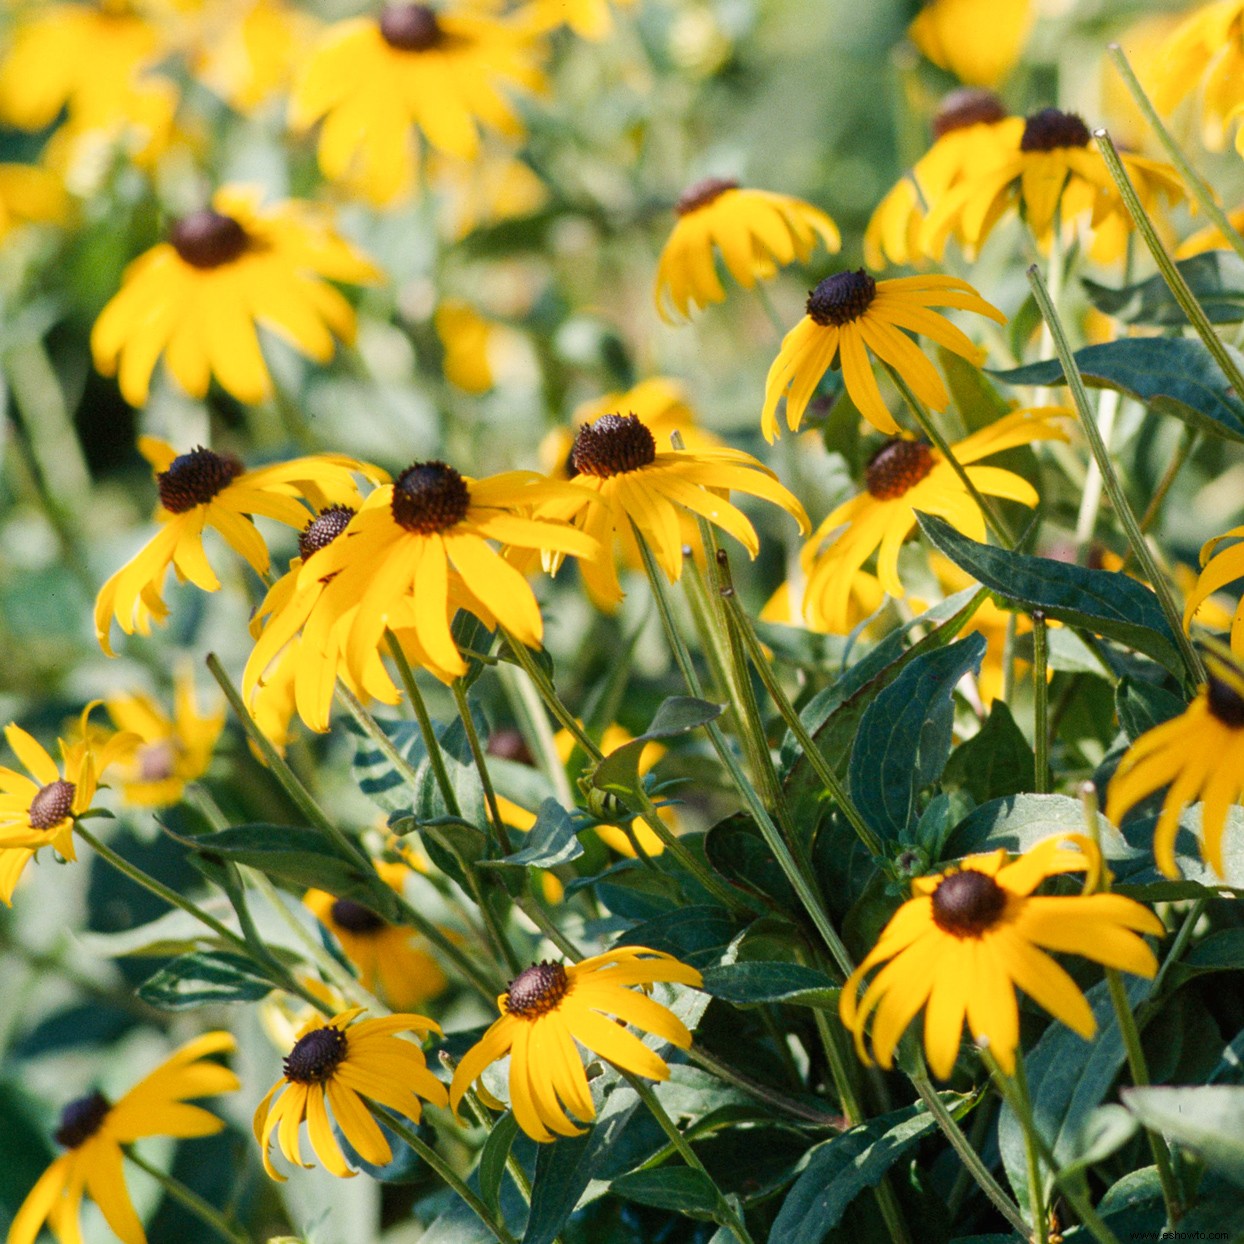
(618, 773)
(677, 1188)
(1208, 1119)
(1106, 603)
(1142, 705)
(699, 934)
(549, 842)
(205, 977)
(995, 762)
(1068, 1078)
(751, 983)
(1106, 1130)
(979, 404)
(1219, 952)
(841, 1168)
(1173, 375)
(492, 1159)
(905, 735)
(735, 849)
(1216, 279)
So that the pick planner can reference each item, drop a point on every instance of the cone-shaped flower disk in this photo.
(967, 937)
(93, 1131)
(1199, 755)
(755, 231)
(851, 314)
(334, 1066)
(549, 1007)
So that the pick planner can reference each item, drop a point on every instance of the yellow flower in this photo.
(373, 81)
(30, 195)
(202, 489)
(850, 314)
(247, 53)
(390, 963)
(967, 937)
(483, 191)
(1210, 238)
(418, 549)
(969, 134)
(198, 297)
(1051, 168)
(465, 336)
(39, 811)
(335, 1065)
(549, 1007)
(754, 231)
(1206, 55)
(93, 1131)
(905, 476)
(1199, 755)
(786, 605)
(979, 41)
(1220, 567)
(624, 485)
(589, 19)
(168, 751)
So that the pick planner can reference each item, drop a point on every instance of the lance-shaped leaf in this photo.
(618, 773)
(197, 979)
(1216, 279)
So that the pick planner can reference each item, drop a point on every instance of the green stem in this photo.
(803, 885)
(288, 779)
(481, 767)
(191, 1200)
(1118, 499)
(765, 1093)
(967, 1155)
(1036, 1189)
(1200, 191)
(1186, 442)
(430, 742)
(529, 709)
(1166, 265)
(1041, 702)
(992, 516)
(726, 1215)
(1182, 938)
(447, 1174)
(529, 904)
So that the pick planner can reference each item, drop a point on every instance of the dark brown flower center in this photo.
(537, 991)
(208, 239)
(195, 478)
(841, 298)
(509, 744)
(1049, 129)
(969, 105)
(51, 805)
(613, 445)
(323, 529)
(1225, 702)
(703, 193)
(316, 1056)
(429, 497)
(410, 27)
(81, 1119)
(897, 467)
(355, 918)
(967, 903)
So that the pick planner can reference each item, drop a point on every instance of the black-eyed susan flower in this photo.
(339, 1066)
(375, 82)
(979, 41)
(970, 130)
(38, 810)
(623, 484)
(589, 19)
(390, 961)
(169, 750)
(203, 489)
(850, 315)
(30, 195)
(1211, 237)
(93, 1130)
(968, 936)
(493, 187)
(905, 476)
(419, 549)
(754, 231)
(466, 337)
(1052, 170)
(1206, 55)
(1199, 755)
(551, 1006)
(198, 297)
(1221, 565)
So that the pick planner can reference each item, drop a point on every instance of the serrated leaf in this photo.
(1172, 375)
(677, 1188)
(995, 762)
(905, 735)
(1208, 1119)
(619, 771)
(1216, 279)
(751, 983)
(205, 977)
(1106, 603)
